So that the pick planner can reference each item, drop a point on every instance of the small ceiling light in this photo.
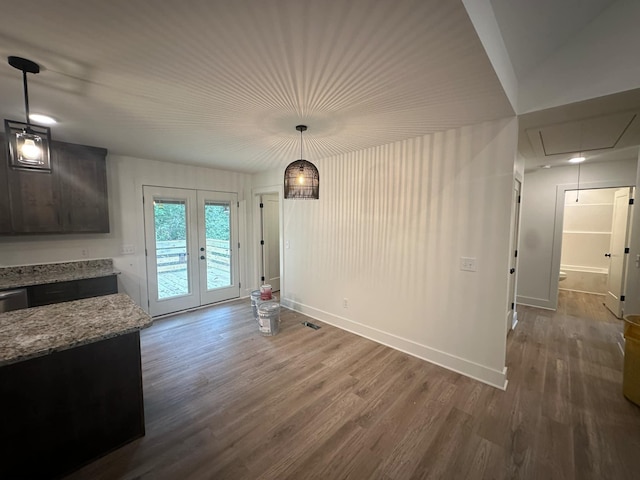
(28, 143)
(577, 160)
(545, 166)
(301, 178)
(43, 119)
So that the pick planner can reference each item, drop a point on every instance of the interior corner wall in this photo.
(125, 178)
(600, 60)
(541, 226)
(387, 235)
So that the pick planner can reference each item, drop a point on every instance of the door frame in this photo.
(516, 209)
(556, 252)
(256, 193)
(196, 298)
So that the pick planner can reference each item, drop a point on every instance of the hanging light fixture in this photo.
(301, 178)
(28, 143)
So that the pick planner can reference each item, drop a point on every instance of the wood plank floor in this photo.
(223, 402)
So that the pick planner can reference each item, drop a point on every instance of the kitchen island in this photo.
(70, 384)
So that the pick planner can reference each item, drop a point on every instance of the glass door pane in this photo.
(218, 244)
(170, 217)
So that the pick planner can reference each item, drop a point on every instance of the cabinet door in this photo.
(35, 204)
(83, 188)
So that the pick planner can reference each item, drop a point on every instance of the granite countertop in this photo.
(33, 332)
(26, 275)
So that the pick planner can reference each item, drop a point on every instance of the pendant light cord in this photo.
(26, 94)
(301, 157)
(578, 190)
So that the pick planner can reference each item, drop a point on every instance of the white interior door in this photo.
(271, 237)
(191, 248)
(617, 265)
(513, 259)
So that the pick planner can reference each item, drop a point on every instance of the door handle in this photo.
(201, 257)
(607, 255)
(202, 249)
(512, 271)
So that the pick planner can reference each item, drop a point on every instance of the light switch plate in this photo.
(468, 264)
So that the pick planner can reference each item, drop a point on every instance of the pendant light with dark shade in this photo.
(28, 143)
(301, 178)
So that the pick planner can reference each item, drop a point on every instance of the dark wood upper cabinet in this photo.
(82, 176)
(5, 210)
(72, 198)
(35, 204)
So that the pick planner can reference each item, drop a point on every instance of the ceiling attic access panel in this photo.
(599, 133)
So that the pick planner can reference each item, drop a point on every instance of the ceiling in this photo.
(601, 129)
(533, 30)
(223, 83)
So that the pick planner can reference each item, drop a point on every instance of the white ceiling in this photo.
(223, 83)
(533, 29)
(601, 129)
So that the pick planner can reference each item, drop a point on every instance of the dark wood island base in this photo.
(62, 410)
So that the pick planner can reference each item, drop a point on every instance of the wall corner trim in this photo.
(481, 373)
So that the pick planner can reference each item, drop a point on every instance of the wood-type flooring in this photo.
(224, 402)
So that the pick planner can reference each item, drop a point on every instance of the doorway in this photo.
(268, 237)
(191, 240)
(594, 238)
(270, 221)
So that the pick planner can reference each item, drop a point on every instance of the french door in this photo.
(191, 241)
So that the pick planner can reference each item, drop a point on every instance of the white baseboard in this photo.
(583, 291)
(495, 378)
(536, 302)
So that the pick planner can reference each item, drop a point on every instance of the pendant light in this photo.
(301, 178)
(28, 143)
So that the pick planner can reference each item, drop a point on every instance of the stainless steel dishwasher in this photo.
(13, 299)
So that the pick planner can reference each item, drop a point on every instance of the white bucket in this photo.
(269, 318)
(255, 301)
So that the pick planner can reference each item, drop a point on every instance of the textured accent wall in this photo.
(387, 234)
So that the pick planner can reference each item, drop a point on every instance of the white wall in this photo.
(387, 234)
(541, 224)
(125, 176)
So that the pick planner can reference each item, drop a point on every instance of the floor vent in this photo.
(312, 325)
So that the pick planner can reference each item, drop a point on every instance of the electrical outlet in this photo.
(468, 264)
(345, 303)
(286, 244)
(85, 252)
